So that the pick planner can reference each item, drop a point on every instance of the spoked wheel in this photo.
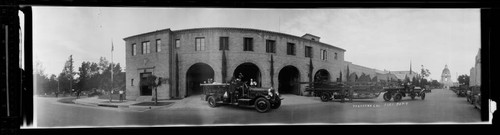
(397, 97)
(262, 105)
(387, 96)
(422, 96)
(211, 101)
(325, 97)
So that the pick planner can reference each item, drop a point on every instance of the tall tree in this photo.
(94, 81)
(69, 72)
(463, 80)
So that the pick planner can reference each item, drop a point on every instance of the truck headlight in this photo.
(269, 92)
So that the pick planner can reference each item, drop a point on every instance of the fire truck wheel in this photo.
(325, 97)
(276, 105)
(211, 101)
(262, 105)
(387, 96)
(397, 97)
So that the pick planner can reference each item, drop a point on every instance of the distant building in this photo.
(475, 72)
(446, 78)
(396, 75)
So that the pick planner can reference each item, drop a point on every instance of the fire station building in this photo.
(189, 57)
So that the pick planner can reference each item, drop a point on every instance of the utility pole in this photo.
(112, 67)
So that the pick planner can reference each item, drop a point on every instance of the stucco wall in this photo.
(235, 56)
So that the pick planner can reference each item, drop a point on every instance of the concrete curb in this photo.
(85, 103)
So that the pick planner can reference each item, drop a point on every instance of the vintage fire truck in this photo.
(336, 90)
(239, 93)
(397, 93)
(363, 90)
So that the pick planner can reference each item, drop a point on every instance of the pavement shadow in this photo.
(67, 100)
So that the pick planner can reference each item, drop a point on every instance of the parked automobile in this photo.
(477, 101)
(462, 90)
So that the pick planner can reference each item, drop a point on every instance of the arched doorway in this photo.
(288, 79)
(322, 75)
(196, 75)
(249, 71)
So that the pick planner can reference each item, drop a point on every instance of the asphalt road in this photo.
(438, 107)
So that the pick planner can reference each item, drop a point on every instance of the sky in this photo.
(376, 38)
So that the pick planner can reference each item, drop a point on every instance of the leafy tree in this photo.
(424, 73)
(103, 64)
(152, 82)
(463, 80)
(84, 78)
(375, 79)
(105, 81)
(424, 82)
(40, 78)
(63, 83)
(435, 84)
(94, 81)
(414, 81)
(52, 84)
(118, 77)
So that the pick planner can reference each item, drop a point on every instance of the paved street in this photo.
(439, 106)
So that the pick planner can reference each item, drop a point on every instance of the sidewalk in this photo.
(188, 102)
(96, 102)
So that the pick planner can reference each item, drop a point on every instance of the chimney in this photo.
(311, 37)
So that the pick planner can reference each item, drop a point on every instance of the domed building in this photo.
(446, 78)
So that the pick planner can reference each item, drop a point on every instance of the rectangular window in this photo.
(143, 48)
(308, 52)
(177, 43)
(200, 44)
(131, 82)
(270, 46)
(134, 50)
(146, 48)
(158, 45)
(335, 57)
(248, 44)
(323, 54)
(290, 48)
(224, 43)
